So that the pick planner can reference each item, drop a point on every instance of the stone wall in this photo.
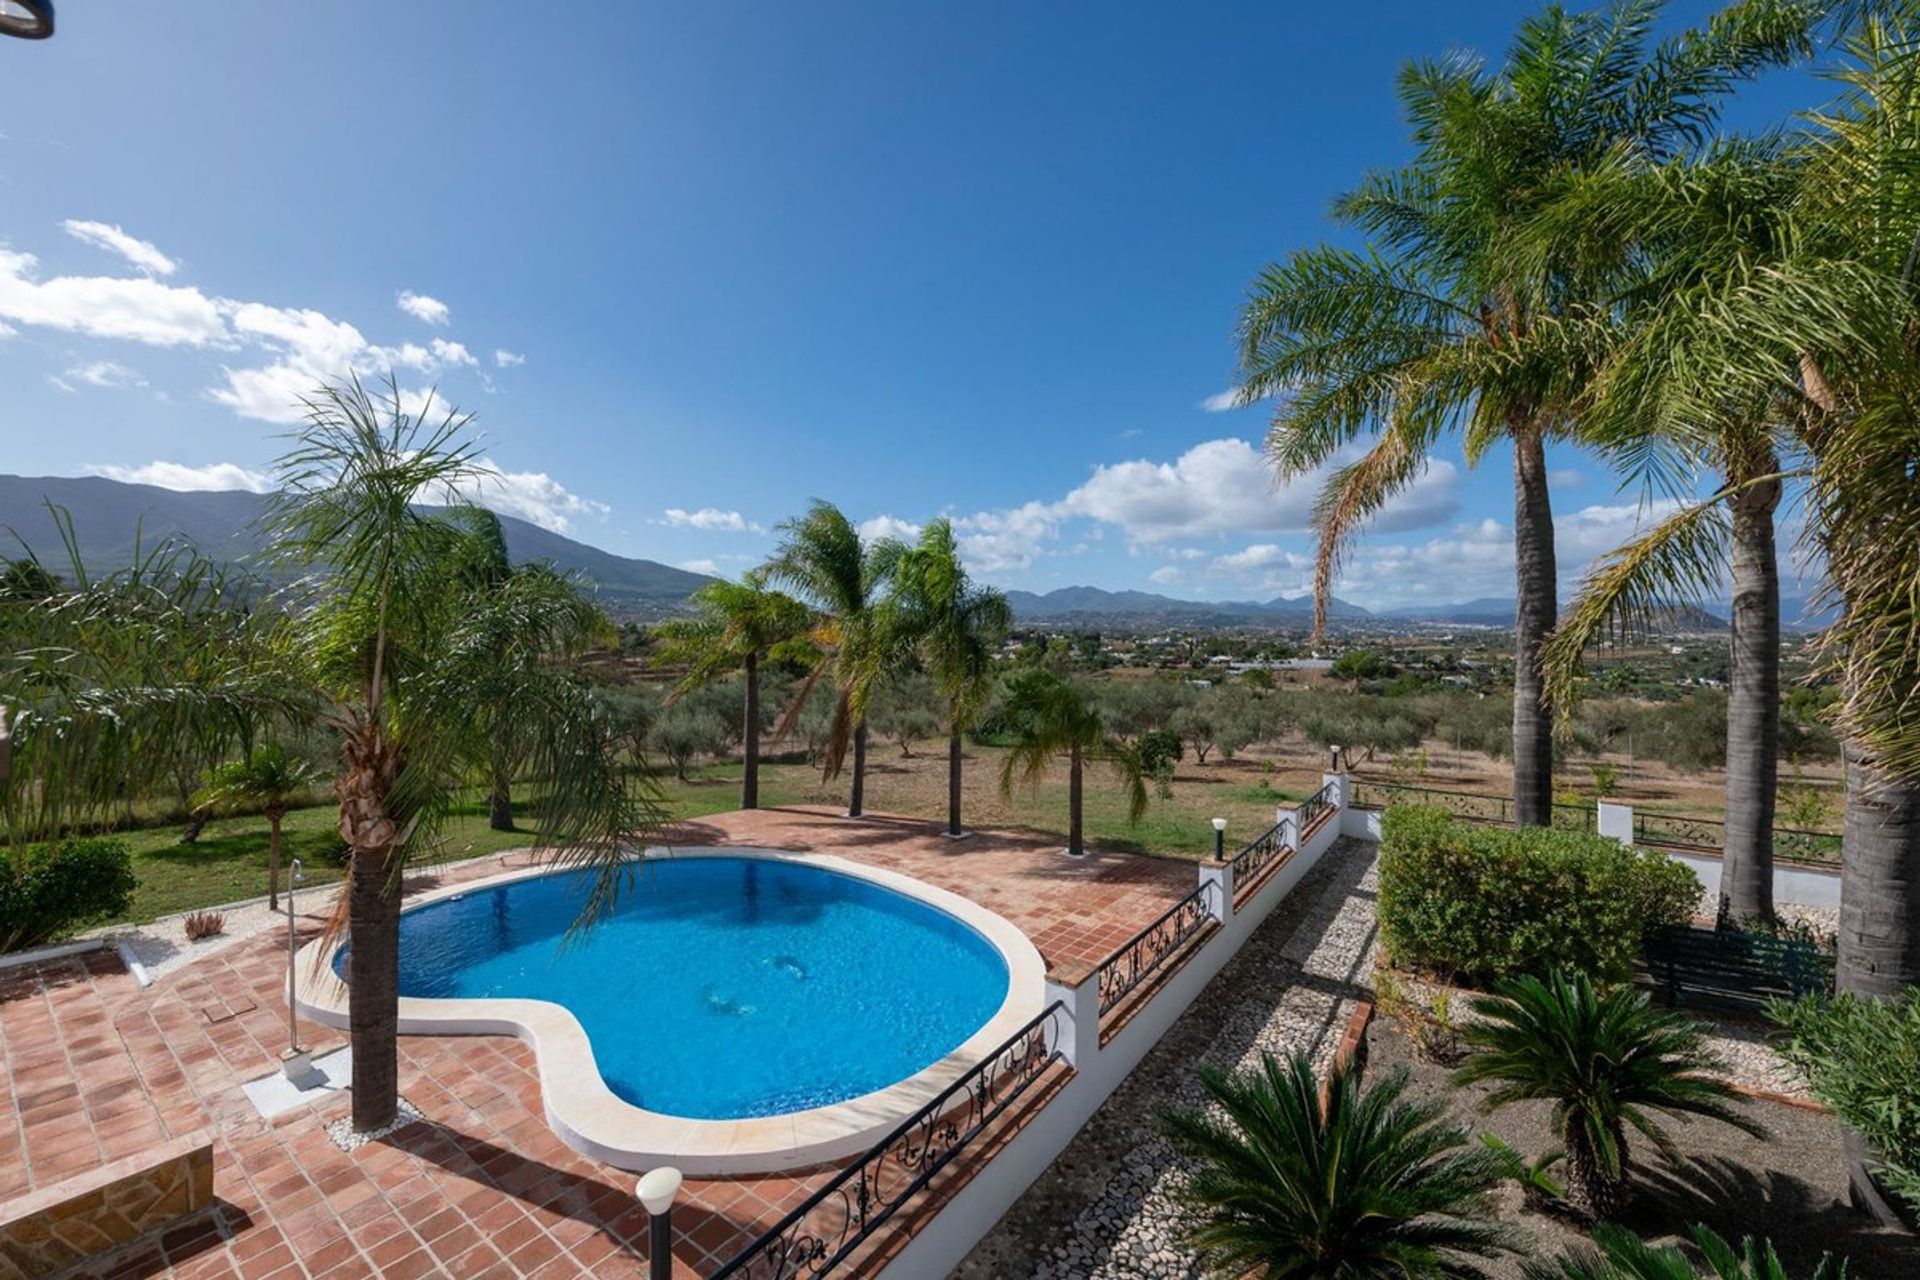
(49, 1230)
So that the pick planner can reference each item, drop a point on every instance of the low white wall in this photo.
(1794, 884)
(1098, 1070)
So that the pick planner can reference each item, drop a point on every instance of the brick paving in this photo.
(95, 1068)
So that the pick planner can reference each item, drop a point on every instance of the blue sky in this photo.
(692, 266)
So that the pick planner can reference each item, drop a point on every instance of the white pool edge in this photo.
(593, 1120)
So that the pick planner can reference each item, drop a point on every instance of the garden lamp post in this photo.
(1334, 754)
(26, 19)
(296, 1065)
(1219, 839)
(657, 1190)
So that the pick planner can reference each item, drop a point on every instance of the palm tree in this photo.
(1606, 1060)
(1051, 718)
(823, 560)
(541, 615)
(407, 653)
(1440, 325)
(1368, 1183)
(111, 682)
(270, 779)
(735, 626)
(1620, 1255)
(1675, 234)
(953, 626)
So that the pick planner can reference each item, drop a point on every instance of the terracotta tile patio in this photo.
(94, 1068)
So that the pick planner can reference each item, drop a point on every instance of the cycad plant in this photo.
(1051, 718)
(953, 626)
(824, 561)
(1439, 325)
(1618, 1254)
(270, 779)
(407, 653)
(1367, 1184)
(1607, 1061)
(735, 626)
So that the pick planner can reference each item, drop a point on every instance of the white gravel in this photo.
(1108, 1207)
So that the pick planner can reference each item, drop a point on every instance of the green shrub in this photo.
(1489, 903)
(1862, 1058)
(50, 890)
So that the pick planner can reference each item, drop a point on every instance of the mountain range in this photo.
(111, 518)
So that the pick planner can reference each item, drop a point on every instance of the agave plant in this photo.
(1369, 1183)
(1607, 1060)
(1618, 1254)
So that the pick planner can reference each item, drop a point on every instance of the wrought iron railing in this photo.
(1146, 951)
(834, 1221)
(1255, 858)
(1316, 809)
(1473, 806)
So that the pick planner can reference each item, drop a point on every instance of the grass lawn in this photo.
(229, 861)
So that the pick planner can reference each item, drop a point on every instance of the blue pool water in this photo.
(723, 988)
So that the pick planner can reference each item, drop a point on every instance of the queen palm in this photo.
(822, 558)
(270, 779)
(1675, 234)
(1440, 326)
(1366, 1184)
(1051, 719)
(407, 653)
(735, 626)
(953, 627)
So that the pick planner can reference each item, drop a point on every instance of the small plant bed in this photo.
(1790, 1186)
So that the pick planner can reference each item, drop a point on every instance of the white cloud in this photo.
(422, 307)
(7, 331)
(59, 383)
(1164, 576)
(1222, 401)
(702, 565)
(106, 235)
(451, 353)
(1261, 555)
(1566, 478)
(1004, 541)
(505, 359)
(105, 373)
(884, 526)
(175, 475)
(709, 520)
(134, 310)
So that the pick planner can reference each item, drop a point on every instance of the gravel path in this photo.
(1107, 1208)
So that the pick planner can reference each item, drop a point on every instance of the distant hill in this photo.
(1491, 611)
(1090, 606)
(110, 516)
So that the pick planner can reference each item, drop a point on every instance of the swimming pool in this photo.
(744, 1010)
(722, 988)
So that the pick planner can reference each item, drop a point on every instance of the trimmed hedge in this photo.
(52, 889)
(1489, 903)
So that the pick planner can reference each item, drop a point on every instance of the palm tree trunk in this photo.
(373, 987)
(750, 765)
(1537, 602)
(953, 782)
(1753, 710)
(1076, 836)
(273, 859)
(857, 797)
(1879, 882)
(500, 807)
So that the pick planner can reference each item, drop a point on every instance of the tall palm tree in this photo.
(1051, 719)
(953, 626)
(271, 779)
(822, 559)
(735, 626)
(1675, 234)
(1367, 1184)
(1606, 1060)
(1438, 325)
(407, 653)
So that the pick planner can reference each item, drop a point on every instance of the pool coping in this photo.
(589, 1117)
